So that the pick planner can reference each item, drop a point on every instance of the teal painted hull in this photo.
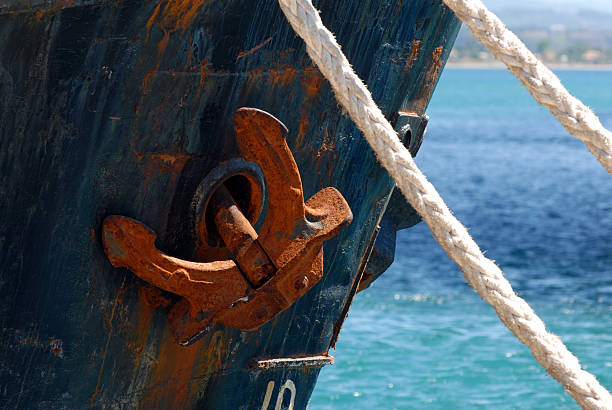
(122, 108)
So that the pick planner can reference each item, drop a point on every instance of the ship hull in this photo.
(122, 108)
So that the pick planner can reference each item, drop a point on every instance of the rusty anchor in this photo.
(269, 271)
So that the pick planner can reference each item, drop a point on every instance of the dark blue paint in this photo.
(100, 115)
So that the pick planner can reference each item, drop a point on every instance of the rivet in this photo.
(301, 283)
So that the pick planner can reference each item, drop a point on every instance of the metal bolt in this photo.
(301, 283)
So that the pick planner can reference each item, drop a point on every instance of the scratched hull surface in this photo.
(122, 108)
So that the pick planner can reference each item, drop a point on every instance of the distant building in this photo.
(483, 55)
(593, 56)
(549, 55)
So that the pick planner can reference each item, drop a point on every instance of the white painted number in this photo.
(289, 385)
(268, 396)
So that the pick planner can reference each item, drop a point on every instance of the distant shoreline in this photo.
(477, 65)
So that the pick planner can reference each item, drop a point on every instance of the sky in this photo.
(567, 5)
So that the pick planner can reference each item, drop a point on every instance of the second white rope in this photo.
(541, 83)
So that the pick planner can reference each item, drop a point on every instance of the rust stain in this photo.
(146, 82)
(415, 51)
(203, 71)
(143, 323)
(171, 159)
(118, 300)
(50, 11)
(141, 328)
(161, 46)
(282, 75)
(182, 372)
(436, 54)
(431, 78)
(189, 54)
(175, 15)
(312, 80)
(303, 127)
(154, 164)
(254, 49)
(170, 383)
(153, 297)
(170, 17)
(152, 19)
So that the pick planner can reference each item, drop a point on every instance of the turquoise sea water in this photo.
(541, 205)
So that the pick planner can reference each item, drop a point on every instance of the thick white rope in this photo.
(479, 271)
(541, 83)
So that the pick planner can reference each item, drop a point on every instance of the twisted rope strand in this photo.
(541, 83)
(479, 271)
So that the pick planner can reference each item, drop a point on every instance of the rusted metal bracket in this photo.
(292, 362)
(399, 214)
(269, 271)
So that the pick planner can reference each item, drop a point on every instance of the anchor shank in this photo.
(240, 238)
